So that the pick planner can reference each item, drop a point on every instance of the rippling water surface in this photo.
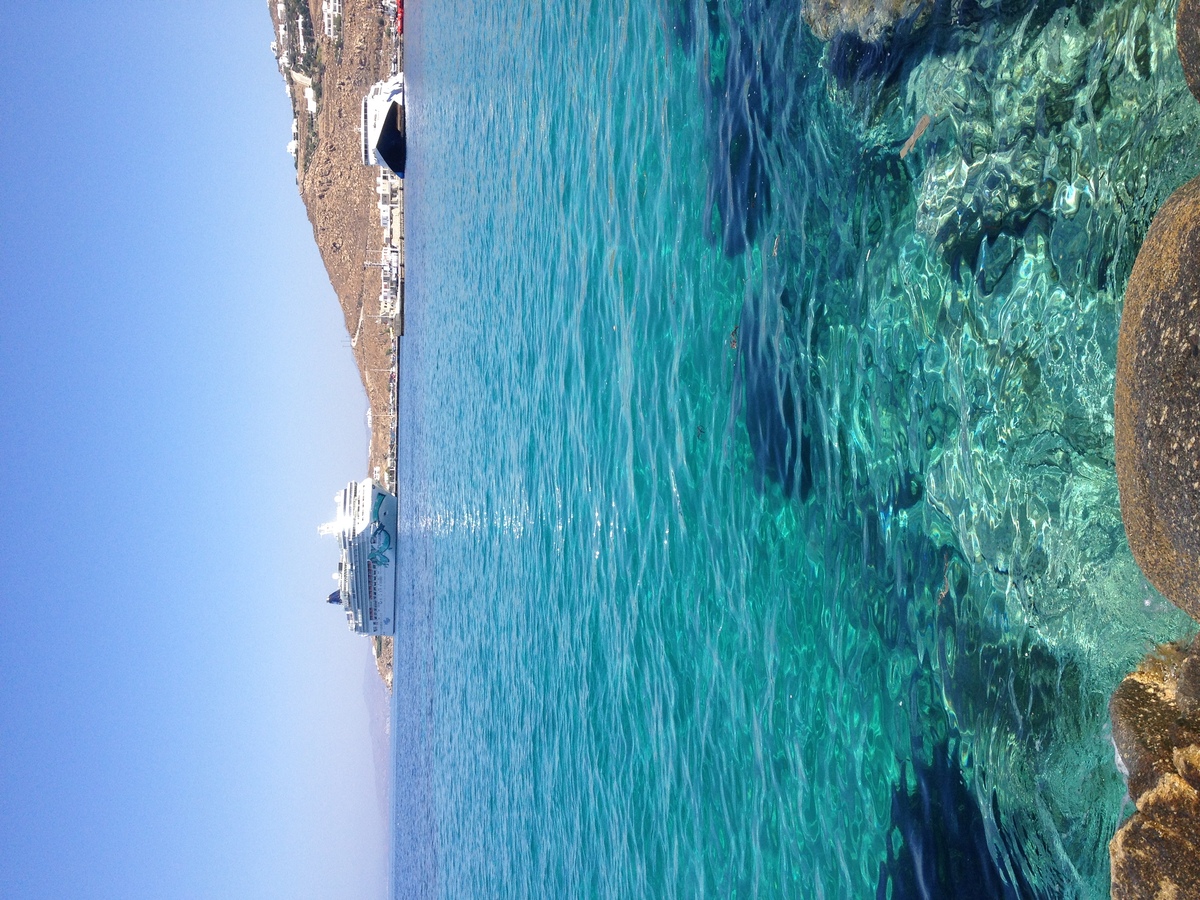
(758, 506)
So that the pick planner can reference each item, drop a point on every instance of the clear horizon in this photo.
(182, 714)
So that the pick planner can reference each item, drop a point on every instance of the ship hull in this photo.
(365, 528)
(380, 536)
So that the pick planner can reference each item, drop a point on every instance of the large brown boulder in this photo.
(1157, 403)
(1156, 730)
(1187, 38)
(1155, 711)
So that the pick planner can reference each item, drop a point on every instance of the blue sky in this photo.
(180, 714)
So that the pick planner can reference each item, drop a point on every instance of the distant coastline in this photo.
(329, 53)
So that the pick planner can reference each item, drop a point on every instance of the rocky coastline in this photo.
(1156, 733)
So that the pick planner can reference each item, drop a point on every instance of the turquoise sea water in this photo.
(759, 518)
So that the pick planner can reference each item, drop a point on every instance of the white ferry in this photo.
(365, 528)
(383, 128)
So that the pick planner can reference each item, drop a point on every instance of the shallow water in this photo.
(757, 495)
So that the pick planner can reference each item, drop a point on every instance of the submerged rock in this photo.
(961, 204)
(1155, 711)
(739, 188)
(1156, 731)
(1157, 404)
(1028, 115)
(869, 20)
(775, 404)
(943, 849)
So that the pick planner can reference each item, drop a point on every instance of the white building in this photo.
(331, 11)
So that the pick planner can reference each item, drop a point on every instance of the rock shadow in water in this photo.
(739, 127)
(774, 398)
(943, 852)
(683, 18)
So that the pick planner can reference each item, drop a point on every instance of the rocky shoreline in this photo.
(1156, 732)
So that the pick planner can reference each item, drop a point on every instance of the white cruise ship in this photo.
(383, 128)
(365, 528)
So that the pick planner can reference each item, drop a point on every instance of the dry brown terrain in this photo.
(339, 191)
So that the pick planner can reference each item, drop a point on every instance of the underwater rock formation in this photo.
(996, 193)
(970, 344)
(1156, 731)
(1020, 121)
(1008, 129)
(869, 20)
(739, 188)
(778, 420)
(1187, 36)
(1157, 405)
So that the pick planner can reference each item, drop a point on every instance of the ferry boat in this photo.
(365, 528)
(383, 129)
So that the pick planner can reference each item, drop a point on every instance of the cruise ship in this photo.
(383, 128)
(365, 528)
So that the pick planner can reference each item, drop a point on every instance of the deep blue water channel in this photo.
(758, 512)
